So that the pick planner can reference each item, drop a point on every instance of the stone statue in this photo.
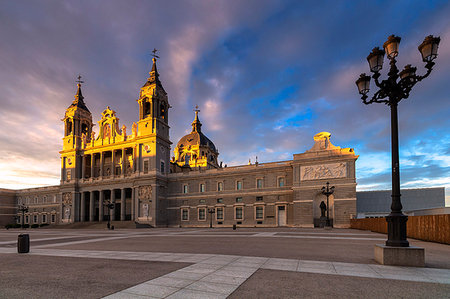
(67, 213)
(323, 208)
(93, 136)
(145, 209)
(124, 131)
(134, 129)
(83, 137)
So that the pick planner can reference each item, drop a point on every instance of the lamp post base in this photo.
(397, 230)
(400, 256)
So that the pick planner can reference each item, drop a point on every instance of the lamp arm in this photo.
(375, 78)
(380, 94)
(429, 67)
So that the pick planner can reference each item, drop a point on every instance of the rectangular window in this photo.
(44, 218)
(219, 186)
(259, 183)
(238, 199)
(259, 198)
(219, 213)
(239, 213)
(280, 182)
(53, 218)
(27, 219)
(238, 185)
(35, 219)
(220, 200)
(259, 213)
(201, 214)
(185, 189)
(185, 214)
(146, 166)
(202, 187)
(162, 167)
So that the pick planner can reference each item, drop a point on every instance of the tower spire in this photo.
(78, 102)
(154, 75)
(196, 124)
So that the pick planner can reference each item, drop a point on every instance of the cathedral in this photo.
(128, 175)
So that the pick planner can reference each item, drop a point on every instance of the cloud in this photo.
(267, 76)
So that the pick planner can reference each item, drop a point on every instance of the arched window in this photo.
(84, 128)
(162, 111)
(187, 158)
(146, 108)
(68, 127)
(106, 131)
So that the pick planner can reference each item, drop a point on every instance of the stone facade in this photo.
(134, 173)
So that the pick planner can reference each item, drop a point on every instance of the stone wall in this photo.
(8, 206)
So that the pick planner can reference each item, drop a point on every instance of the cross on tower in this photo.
(196, 109)
(79, 79)
(154, 53)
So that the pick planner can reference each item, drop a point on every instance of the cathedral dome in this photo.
(195, 149)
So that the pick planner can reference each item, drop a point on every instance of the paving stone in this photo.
(224, 279)
(212, 287)
(170, 282)
(194, 294)
(151, 290)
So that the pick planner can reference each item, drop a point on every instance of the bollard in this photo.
(23, 243)
(234, 226)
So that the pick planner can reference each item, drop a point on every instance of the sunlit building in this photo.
(132, 169)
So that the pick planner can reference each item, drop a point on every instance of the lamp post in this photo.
(327, 192)
(211, 211)
(23, 209)
(110, 207)
(391, 91)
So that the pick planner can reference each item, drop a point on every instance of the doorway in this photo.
(281, 215)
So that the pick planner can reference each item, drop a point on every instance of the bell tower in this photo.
(153, 123)
(77, 133)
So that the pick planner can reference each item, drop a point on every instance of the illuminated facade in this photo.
(133, 171)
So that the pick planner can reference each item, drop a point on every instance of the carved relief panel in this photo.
(324, 171)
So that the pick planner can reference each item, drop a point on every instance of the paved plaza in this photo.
(213, 263)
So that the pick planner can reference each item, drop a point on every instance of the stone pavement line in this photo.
(251, 264)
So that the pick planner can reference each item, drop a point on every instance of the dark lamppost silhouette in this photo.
(211, 211)
(110, 207)
(23, 209)
(327, 191)
(391, 91)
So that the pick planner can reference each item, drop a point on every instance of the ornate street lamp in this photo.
(23, 209)
(327, 192)
(211, 211)
(391, 91)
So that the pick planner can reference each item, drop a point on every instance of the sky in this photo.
(266, 75)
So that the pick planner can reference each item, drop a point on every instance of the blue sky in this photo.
(267, 76)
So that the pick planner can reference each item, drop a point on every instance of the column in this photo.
(122, 204)
(132, 204)
(100, 205)
(74, 208)
(92, 165)
(83, 207)
(113, 152)
(134, 159)
(91, 206)
(123, 162)
(112, 212)
(101, 164)
(83, 167)
(136, 203)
